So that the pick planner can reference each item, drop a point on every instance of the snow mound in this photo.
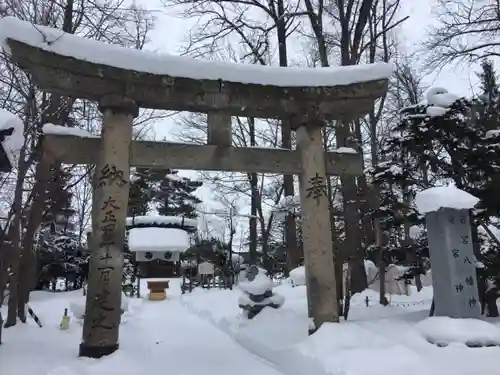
(434, 111)
(492, 133)
(442, 331)
(434, 198)
(350, 348)
(77, 309)
(440, 97)
(345, 150)
(298, 276)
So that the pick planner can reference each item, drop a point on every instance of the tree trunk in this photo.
(381, 243)
(292, 250)
(28, 266)
(344, 139)
(15, 237)
(253, 200)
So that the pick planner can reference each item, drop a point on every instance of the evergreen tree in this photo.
(488, 84)
(57, 197)
(458, 139)
(139, 193)
(174, 194)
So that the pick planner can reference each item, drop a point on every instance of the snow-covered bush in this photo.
(258, 293)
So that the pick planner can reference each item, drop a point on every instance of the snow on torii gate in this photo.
(122, 80)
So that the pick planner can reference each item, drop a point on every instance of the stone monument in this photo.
(454, 279)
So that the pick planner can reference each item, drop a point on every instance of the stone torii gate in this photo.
(121, 92)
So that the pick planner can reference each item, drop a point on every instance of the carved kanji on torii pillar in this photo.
(111, 184)
(120, 91)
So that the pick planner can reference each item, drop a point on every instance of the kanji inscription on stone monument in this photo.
(452, 258)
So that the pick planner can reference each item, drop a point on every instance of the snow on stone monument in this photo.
(454, 280)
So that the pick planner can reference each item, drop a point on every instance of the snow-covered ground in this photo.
(375, 341)
(204, 332)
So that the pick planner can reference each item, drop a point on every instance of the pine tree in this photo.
(58, 197)
(139, 193)
(488, 83)
(174, 194)
(459, 141)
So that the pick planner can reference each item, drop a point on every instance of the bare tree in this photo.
(110, 21)
(255, 24)
(408, 89)
(263, 192)
(349, 39)
(467, 31)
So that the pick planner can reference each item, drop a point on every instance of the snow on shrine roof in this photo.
(13, 143)
(158, 239)
(432, 199)
(159, 219)
(56, 41)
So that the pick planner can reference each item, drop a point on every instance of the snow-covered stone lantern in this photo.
(258, 293)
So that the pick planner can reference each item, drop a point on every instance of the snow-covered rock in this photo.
(442, 331)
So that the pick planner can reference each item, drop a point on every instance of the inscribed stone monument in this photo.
(453, 263)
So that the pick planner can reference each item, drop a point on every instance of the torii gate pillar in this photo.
(103, 306)
(316, 229)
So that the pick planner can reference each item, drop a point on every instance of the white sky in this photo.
(168, 35)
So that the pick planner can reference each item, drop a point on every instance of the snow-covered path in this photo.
(158, 338)
(190, 345)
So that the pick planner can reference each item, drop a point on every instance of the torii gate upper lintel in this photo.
(121, 92)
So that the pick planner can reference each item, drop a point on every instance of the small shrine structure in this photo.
(157, 243)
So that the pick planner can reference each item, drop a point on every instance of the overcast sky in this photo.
(168, 35)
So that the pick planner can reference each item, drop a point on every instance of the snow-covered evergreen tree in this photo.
(139, 193)
(171, 194)
(174, 194)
